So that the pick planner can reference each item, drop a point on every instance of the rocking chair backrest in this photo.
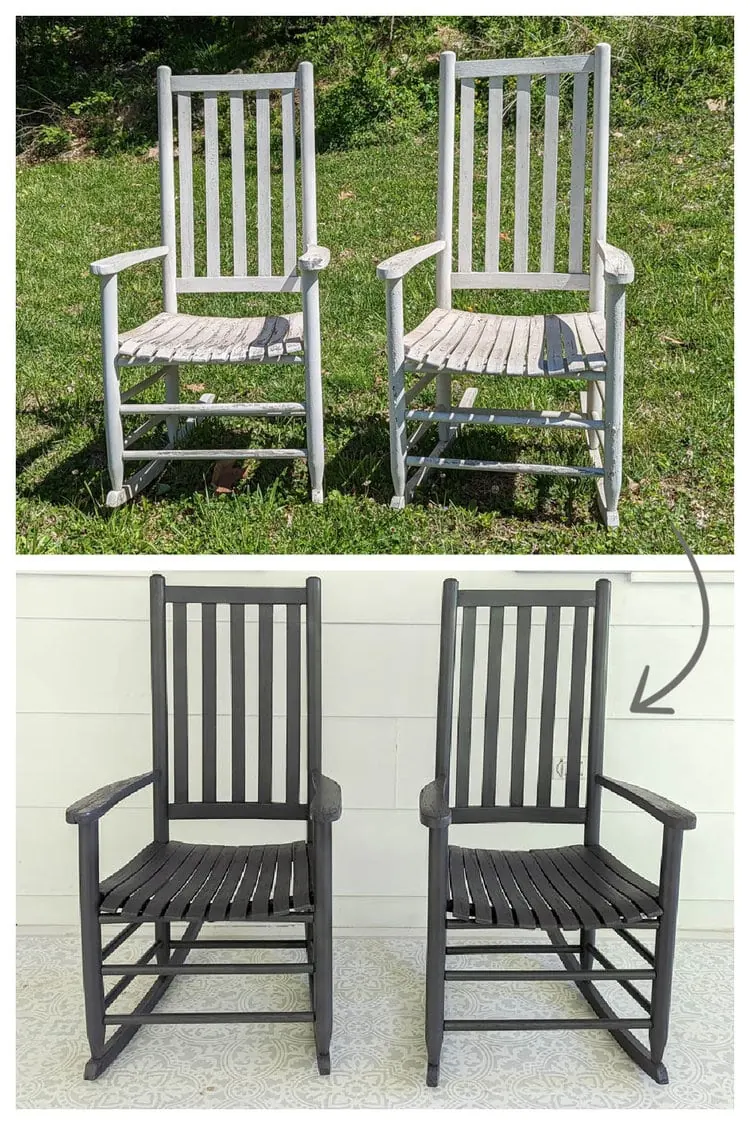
(220, 655)
(516, 264)
(524, 662)
(205, 263)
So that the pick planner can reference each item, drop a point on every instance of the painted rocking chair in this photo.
(585, 346)
(191, 884)
(581, 887)
(171, 338)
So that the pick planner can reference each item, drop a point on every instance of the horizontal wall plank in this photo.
(405, 597)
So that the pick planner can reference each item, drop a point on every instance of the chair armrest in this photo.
(618, 268)
(94, 806)
(106, 267)
(325, 805)
(400, 264)
(669, 813)
(314, 258)
(434, 811)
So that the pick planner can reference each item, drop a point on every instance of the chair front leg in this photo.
(394, 316)
(322, 945)
(172, 395)
(437, 895)
(91, 941)
(613, 407)
(313, 384)
(661, 994)
(112, 399)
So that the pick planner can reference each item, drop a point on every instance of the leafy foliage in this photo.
(94, 76)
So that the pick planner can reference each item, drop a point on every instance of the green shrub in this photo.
(50, 141)
(376, 76)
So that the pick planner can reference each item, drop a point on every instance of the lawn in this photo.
(670, 207)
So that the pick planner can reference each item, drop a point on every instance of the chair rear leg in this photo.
(162, 934)
(588, 938)
(323, 949)
(172, 395)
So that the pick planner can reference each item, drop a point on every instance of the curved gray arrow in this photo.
(645, 706)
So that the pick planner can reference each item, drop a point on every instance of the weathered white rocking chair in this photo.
(587, 346)
(173, 338)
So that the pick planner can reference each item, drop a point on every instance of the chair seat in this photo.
(210, 882)
(179, 338)
(568, 888)
(489, 344)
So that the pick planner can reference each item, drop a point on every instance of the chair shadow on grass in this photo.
(360, 467)
(365, 458)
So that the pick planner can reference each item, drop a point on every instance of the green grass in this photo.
(670, 208)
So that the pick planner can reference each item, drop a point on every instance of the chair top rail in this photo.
(231, 83)
(497, 68)
(236, 595)
(468, 598)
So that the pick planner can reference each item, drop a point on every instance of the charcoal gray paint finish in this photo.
(170, 881)
(581, 888)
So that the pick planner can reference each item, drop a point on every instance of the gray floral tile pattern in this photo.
(378, 1058)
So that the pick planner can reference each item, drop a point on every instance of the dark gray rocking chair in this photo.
(581, 887)
(195, 883)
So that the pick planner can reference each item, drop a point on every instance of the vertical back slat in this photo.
(211, 129)
(180, 700)
(494, 175)
(549, 175)
(575, 713)
(466, 176)
(523, 146)
(185, 158)
(578, 170)
(293, 655)
(237, 666)
(492, 705)
(265, 702)
(263, 140)
(239, 215)
(547, 716)
(520, 704)
(465, 698)
(288, 180)
(208, 653)
(159, 716)
(446, 674)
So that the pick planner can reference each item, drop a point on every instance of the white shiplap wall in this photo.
(83, 720)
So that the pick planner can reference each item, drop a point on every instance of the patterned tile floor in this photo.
(378, 1048)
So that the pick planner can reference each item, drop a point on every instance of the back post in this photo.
(159, 717)
(446, 673)
(598, 706)
(599, 173)
(166, 186)
(447, 125)
(314, 686)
